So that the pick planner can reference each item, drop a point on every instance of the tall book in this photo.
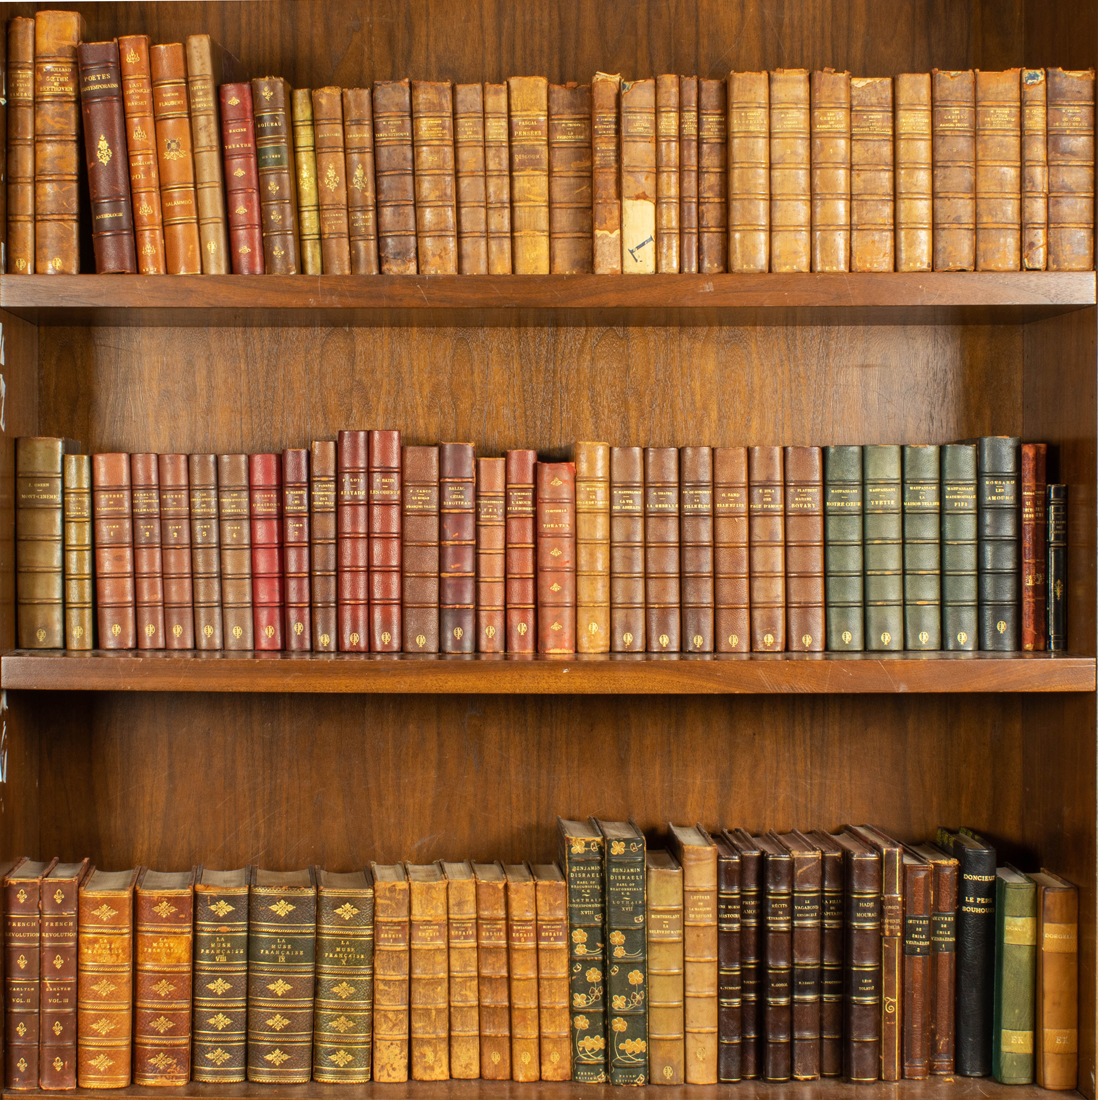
(175, 550)
(831, 176)
(959, 547)
(428, 969)
(1012, 1041)
(554, 1022)
(804, 550)
(729, 972)
(1034, 483)
(322, 545)
(1034, 170)
(696, 540)
(627, 601)
(113, 531)
(497, 179)
(917, 974)
(872, 174)
(556, 557)
(331, 181)
(358, 140)
(914, 172)
(296, 625)
(777, 986)
(731, 575)
(520, 556)
(529, 140)
(638, 177)
(592, 547)
(20, 146)
(461, 909)
(790, 158)
(274, 145)
(148, 559)
(748, 172)
(954, 124)
(457, 548)
(419, 553)
(268, 593)
(384, 452)
(472, 203)
(668, 256)
(1057, 568)
(766, 533)
(883, 546)
(352, 541)
(205, 551)
(435, 186)
(391, 971)
(1070, 170)
(831, 954)
(493, 972)
(807, 947)
(712, 176)
(241, 179)
(605, 174)
(922, 547)
(234, 518)
(1057, 989)
(752, 930)
(491, 490)
(663, 913)
(570, 158)
(998, 170)
(305, 176)
(522, 960)
(662, 560)
(999, 545)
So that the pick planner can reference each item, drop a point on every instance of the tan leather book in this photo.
(1034, 170)
(497, 178)
(472, 209)
(391, 971)
(790, 155)
(606, 178)
(731, 591)
(712, 176)
(491, 492)
(667, 173)
(688, 174)
(522, 956)
(358, 141)
(79, 579)
(592, 547)
(666, 1033)
(998, 170)
(872, 176)
(552, 938)
(638, 177)
(1057, 1023)
(830, 171)
(1070, 170)
(308, 198)
(529, 134)
(493, 972)
(627, 607)
(570, 240)
(914, 172)
(148, 559)
(435, 185)
(954, 128)
(429, 1001)
(20, 151)
(748, 172)
(395, 176)
(331, 181)
(461, 900)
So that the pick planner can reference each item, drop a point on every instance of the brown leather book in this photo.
(391, 971)
(555, 1043)
(606, 178)
(752, 958)
(917, 964)
(428, 1002)
(712, 176)
(331, 181)
(998, 170)
(297, 626)
(914, 172)
(592, 547)
(353, 541)
(688, 175)
(274, 147)
(943, 966)
(668, 248)
(114, 577)
(627, 615)
(529, 137)
(954, 104)
(831, 956)
(164, 918)
(148, 562)
(666, 1042)
(804, 550)
(790, 156)
(830, 171)
(1070, 170)
(556, 557)
(457, 568)
(79, 552)
(497, 178)
(521, 561)
(492, 964)
(472, 209)
(305, 174)
(394, 167)
(872, 174)
(1034, 169)
(420, 552)
(461, 902)
(386, 633)
(1034, 482)
(662, 593)
(175, 544)
(491, 486)
(322, 545)
(748, 172)
(731, 584)
(766, 532)
(729, 967)
(205, 551)
(1057, 1023)
(570, 234)
(268, 565)
(776, 993)
(358, 141)
(234, 517)
(435, 187)
(241, 179)
(20, 146)
(696, 475)
(522, 957)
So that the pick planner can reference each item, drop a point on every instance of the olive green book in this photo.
(1015, 971)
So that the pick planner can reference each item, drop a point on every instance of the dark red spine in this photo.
(112, 504)
(297, 627)
(385, 497)
(241, 179)
(457, 572)
(148, 564)
(556, 557)
(265, 500)
(521, 616)
(352, 541)
(175, 552)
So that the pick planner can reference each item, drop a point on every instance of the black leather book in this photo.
(777, 866)
(883, 547)
(843, 580)
(959, 546)
(729, 987)
(922, 548)
(998, 552)
(831, 956)
(751, 932)
(1056, 569)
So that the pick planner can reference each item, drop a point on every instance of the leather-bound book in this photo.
(667, 174)
(520, 556)
(497, 178)
(917, 965)
(322, 545)
(175, 550)
(308, 195)
(461, 908)
(831, 955)
(274, 146)
(1034, 535)
(914, 172)
(752, 930)
(493, 972)
(297, 625)
(883, 539)
(241, 179)
(175, 158)
(627, 606)
(830, 171)
(529, 139)
(790, 156)
(1070, 170)
(593, 547)
(20, 146)
(766, 531)
(1015, 972)
(729, 972)
(281, 975)
(522, 958)
(1057, 568)
(872, 174)
(688, 175)
(56, 142)
(352, 542)
(164, 919)
(556, 557)
(696, 534)
(662, 594)
(1034, 170)
(457, 595)
(666, 1029)
(491, 486)
(580, 847)
(804, 550)
(343, 1010)
(331, 181)
(712, 177)
(554, 1022)
(472, 209)
(385, 542)
(435, 186)
(58, 966)
(391, 971)
(205, 551)
(104, 1017)
(220, 1002)
(1057, 985)
(922, 547)
(997, 518)
(358, 141)
(108, 170)
(954, 104)
(748, 172)
(148, 561)
(605, 175)
(959, 547)
(731, 583)
(570, 233)
(113, 531)
(998, 170)
(234, 517)
(420, 550)
(268, 592)
(776, 992)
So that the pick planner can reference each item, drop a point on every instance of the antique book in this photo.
(638, 177)
(461, 909)
(1070, 170)
(776, 991)
(419, 553)
(522, 964)
(807, 948)
(352, 541)
(330, 181)
(241, 179)
(322, 545)
(731, 576)
(998, 170)
(205, 551)
(1057, 982)
(663, 912)
(281, 973)
(883, 537)
(570, 187)
(497, 179)
(804, 550)
(914, 172)
(997, 519)
(108, 171)
(148, 561)
(662, 594)
(305, 175)
(752, 930)
(667, 174)
(457, 548)
(268, 593)
(959, 547)
(358, 141)
(831, 954)
(208, 67)
(605, 174)
(520, 559)
(696, 537)
(219, 1020)
(712, 176)
(554, 1022)
(592, 547)
(391, 971)
(627, 608)
(472, 203)
(748, 172)
(729, 972)
(831, 177)
(296, 622)
(766, 533)
(1057, 568)
(493, 972)
(688, 174)
(234, 517)
(529, 140)
(917, 965)
(922, 547)
(790, 158)
(1034, 170)
(20, 146)
(1012, 1039)
(1034, 483)
(384, 453)
(954, 127)
(175, 550)
(164, 921)
(114, 558)
(435, 188)
(274, 146)
(872, 174)
(556, 557)
(491, 491)
(175, 159)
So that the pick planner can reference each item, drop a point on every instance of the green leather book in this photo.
(883, 547)
(999, 529)
(843, 579)
(922, 548)
(959, 588)
(1015, 975)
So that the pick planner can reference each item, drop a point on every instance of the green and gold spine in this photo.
(1012, 1044)
(79, 583)
(308, 197)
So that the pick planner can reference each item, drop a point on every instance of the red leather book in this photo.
(521, 609)
(491, 549)
(265, 501)
(297, 625)
(353, 544)
(148, 563)
(205, 551)
(385, 494)
(113, 528)
(241, 179)
(732, 610)
(766, 531)
(457, 549)
(175, 543)
(322, 545)
(1034, 551)
(419, 553)
(235, 534)
(556, 531)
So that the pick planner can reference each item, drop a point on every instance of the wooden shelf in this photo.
(627, 674)
(273, 300)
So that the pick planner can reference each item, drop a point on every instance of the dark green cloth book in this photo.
(959, 630)
(999, 550)
(1015, 976)
(883, 547)
(843, 577)
(922, 548)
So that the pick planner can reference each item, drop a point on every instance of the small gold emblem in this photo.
(358, 180)
(173, 149)
(386, 637)
(139, 134)
(554, 626)
(163, 987)
(241, 209)
(22, 1064)
(102, 1063)
(104, 912)
(102, 1026)
(237, 632)
(78, 631)
(221, 907)
(220, 1021)
(40, 634)
(555, 552)
(279, 987)
(161, 1024)
(103, 988)
(150, 629)
(218, 986)
(458, 632)
(277, 1021)
(847, 636)
(116, 630)
(886, 638)
(554, 587)
(57, 1063)
(924, 637)
(298, 628)
(627, 638)
(347, 911)
(592, 628)
(20, 264)
(342, 1024)
(490, 631)
(272, 187)
(698, 639)
(554, 1057)
(522, 628)
(22, 895)
(1001, 626)
(343, 990)
(22, 962)
(103, 152)
(325, 639)
(21, 1029)
(58, 1027)
(341, 1058)
(664, 640)
(962, 637)
(148, 250)
(211, 248)
(331, 180)
(165, 909)
(276, 217)
(617, 848)
(267, 93)
(208, 630)
(354, 638)
(282, 907)
(768, 639)
(243, 250)
(556, 481)
(495, 1057)
(56, 263)
(234, 102)
(421, 640)
(733, 639)
(218, 1057)
(131, 56)
(276, 1057)
(163, 1061)
(238, 173)
(525, 1057)
(806, 640)
(144, 209)
(269, 630)
(278, 252)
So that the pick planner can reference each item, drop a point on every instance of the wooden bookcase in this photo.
(335, 760)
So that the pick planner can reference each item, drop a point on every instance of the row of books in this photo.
(779, 171)
(722, 958)
(363, 545)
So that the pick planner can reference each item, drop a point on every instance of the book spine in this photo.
(556, 557)
(353, 543)
(667, 174)
(521, 558)
(268, 594)
(79, 579)
(386, 632)
(1057, 1016)
(954, 104)
(464, 993)
(883, 538)
(494, 991)
(807, 959)
(529, 140)
(148, 561)
(872, 175)
(39, 545)
(358, 140)
(688, 175)
(914, 173)
(220, 1016)
(1070, 170)
(862, 1018)
(202, 81)
(975, 960)
(551, 903)
(831, 968)
(627, 961)
(997, 518)
(391, 980)
(420, 552)
(844, 589)
(751, 964)
(699, 921)
(1034, 540)
(394, 165)
(804, 549)
(729, 973)
(748, 172)
(22, 982)
(712, 177)
(113, 531)
(435, 186)
(766, 532)
(205, 551)
(697, 548)
(918, 901)
(522, 961)
(241, 179)
(778, 955)
(790, 155)
(497, 179)
(593, 548)
(731, 579)
(959, 547)
(20, 146)
(1057, 568)
(175, 542)
(570, 232)
(662, 594)
(922, 549)
(306, 177)
(998, 171)
(472, 210)
(627, 572)
(491, 487)
(322, 546)
(297, 625)
(892, 960)
(581, 859)
(830, 128)
(1034, 170)
(943, 936)
(58, 965)
(605, 177)
(457, 548)
(666, 1034)
(233, 507)
(274, 148)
